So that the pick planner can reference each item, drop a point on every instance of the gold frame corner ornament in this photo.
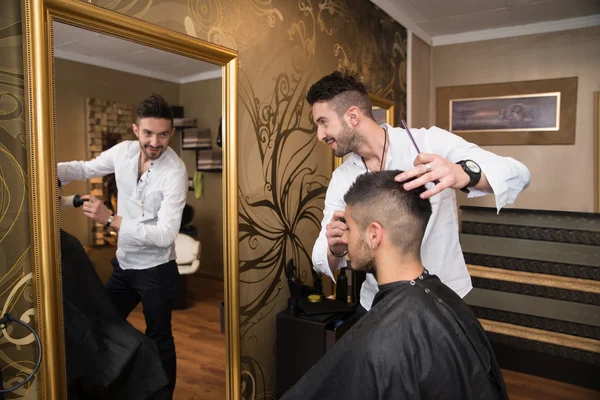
(38, 16)
(380, 102)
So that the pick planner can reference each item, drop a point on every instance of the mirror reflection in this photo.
(138, 146)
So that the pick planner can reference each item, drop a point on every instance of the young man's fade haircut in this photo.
(342, 90)
(376, 197)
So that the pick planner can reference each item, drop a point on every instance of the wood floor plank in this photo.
(528, 387)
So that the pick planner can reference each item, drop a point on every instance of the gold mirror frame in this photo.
(39, 64)
(597, 152)
(380, 102)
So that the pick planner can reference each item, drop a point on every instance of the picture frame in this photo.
(538, 112)
(383, 109)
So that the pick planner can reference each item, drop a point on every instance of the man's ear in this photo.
(374, 234)
(135, 130)
(354, 116)
(172, 132)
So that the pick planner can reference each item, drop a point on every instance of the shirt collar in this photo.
(357, 160)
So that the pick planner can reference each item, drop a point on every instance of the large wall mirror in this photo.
(77, 56)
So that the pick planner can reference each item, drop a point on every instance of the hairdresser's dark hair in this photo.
(342, 89)
(376, 197)
(59, 183)
(154, 106)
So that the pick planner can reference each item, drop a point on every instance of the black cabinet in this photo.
(302, 340)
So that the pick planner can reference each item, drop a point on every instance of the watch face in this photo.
(473, 166)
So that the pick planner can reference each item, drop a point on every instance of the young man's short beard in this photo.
(370, 264)
(371, 267)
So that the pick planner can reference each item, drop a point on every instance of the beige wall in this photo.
(562, 176)
(283, 47)
(421, 88)
(203, 101)
(74, 83)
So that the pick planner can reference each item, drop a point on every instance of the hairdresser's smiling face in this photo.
(154, 135)
(333, 130)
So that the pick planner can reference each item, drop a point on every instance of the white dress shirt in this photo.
(441, 253)
(151, 208)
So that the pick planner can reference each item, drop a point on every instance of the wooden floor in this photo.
(201, 353)
(199, 343)
(527, 387)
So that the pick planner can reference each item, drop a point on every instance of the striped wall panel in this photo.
(536, 278)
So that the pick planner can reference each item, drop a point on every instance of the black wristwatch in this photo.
(473, 170)
(110, 220)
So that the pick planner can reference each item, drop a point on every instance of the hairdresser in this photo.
(107, 357)
(433, 157)
(152, 186)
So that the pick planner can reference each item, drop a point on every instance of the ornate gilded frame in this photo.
(39, 63)
(597, 152)
(377, 102)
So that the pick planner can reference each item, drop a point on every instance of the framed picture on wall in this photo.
(383, 112)
(511, 113)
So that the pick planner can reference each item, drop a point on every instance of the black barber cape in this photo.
(418, 341)
(107, 358)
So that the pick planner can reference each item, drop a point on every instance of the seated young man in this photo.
(419, 340)
(107, 357)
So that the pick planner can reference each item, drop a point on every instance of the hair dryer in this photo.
(71, 201)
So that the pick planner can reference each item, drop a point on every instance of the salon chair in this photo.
(188, 252)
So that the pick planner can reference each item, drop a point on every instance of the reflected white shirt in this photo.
(151, 208)
(441, 253)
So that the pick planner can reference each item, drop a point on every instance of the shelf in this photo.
(197, 148)
(210, 170)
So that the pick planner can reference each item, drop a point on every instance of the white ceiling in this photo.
(93, 48)
(453, 21)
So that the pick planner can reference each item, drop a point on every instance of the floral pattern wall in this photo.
(17, 350)
(284, 46)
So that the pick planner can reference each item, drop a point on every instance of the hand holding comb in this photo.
(412, 139)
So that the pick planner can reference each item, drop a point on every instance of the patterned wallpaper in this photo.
(17, 351)
(284, 46)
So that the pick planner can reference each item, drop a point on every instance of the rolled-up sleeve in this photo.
(506, 176)
(134, 233)
(334, 200)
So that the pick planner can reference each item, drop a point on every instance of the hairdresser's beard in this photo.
(152, 155)
(348, 141)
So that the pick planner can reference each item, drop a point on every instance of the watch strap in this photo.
(110, 220)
